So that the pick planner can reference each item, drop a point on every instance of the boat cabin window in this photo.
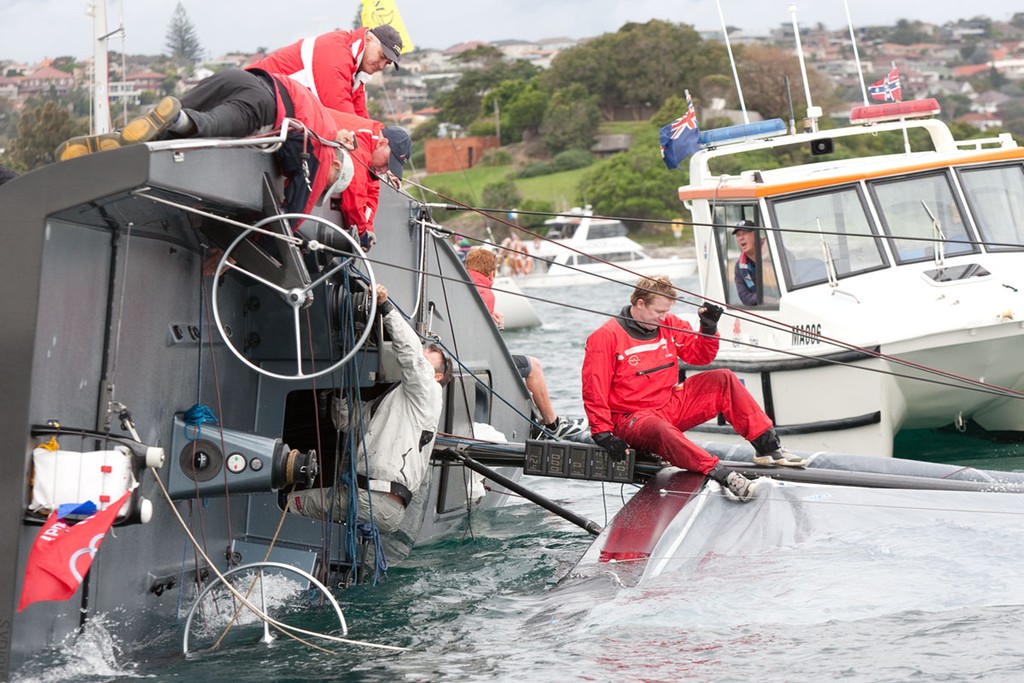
(996, 198)
(918, 212)
(748, 272)
(615, 257)
(824, 229)
(604, 230)
(562, 231)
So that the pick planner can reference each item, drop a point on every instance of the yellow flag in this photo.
(381, 12)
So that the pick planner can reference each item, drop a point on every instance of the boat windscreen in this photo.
(835, 222)
(922, 215)
(996, 198)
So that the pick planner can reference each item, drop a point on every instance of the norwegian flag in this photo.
(888, 89)
(681, 138)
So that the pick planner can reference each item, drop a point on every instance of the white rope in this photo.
(284, 628)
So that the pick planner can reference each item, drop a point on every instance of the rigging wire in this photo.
(958, 381)
(751, 316)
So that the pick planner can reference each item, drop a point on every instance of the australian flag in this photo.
(681, 138)
(888, 89)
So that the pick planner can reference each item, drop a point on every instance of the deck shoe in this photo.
(736, 483)
(145, 128)
(87, 144)
(781, 457)
(141, 129)
(564, 428)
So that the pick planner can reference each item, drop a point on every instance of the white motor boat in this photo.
(580, 249)
(890, 288)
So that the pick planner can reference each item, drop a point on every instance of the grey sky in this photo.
(33, 29)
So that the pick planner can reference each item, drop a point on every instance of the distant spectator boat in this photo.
(582, 250)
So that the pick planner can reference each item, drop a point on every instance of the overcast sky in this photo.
(33, 29)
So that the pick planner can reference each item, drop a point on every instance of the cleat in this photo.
(145, 128)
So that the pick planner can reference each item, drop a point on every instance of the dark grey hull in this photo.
(105, 306)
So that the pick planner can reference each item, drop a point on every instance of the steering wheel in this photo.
(294, 288)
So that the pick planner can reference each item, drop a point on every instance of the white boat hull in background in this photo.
(517, 310)
(628, 273)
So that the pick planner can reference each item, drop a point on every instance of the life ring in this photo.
(519, 263)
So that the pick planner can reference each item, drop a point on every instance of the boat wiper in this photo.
(830, 265)
(940, 236)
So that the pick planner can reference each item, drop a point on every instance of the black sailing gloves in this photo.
(709, 315)
(618, 450)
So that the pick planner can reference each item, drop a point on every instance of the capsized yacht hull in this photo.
(679, 526)
(109, 328)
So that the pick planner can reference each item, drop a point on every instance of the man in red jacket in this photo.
(234, 103)
(631, 395)
(380, 150)
(335, 66)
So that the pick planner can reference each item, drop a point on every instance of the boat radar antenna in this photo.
(856, 55)
(813, 113)
(735, 75)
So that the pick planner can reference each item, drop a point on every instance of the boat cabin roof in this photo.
(752, 184)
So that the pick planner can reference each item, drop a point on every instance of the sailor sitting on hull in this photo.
(631, 394)
(392, 460)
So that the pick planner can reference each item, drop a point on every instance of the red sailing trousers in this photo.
(697, 400)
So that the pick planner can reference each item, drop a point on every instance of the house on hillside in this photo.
(147, 80)
(982, 121)
(989, 102)
(46, 79)
(444, 155)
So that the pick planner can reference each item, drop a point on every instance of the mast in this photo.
(813, 113)
(100, 70)
(735, 75)
(856, 55)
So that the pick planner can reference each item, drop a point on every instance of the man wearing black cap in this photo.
(336, 65)
(380, 151)
(745, 273)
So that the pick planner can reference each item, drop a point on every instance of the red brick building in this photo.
(445, 155)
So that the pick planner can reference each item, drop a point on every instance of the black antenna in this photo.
(789, 98)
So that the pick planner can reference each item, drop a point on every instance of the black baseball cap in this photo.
(744, 225)
(390, 42)
(401, 148)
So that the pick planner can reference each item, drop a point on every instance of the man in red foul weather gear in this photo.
(632, 396)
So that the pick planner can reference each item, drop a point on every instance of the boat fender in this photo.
(154, 457)
(145, 510)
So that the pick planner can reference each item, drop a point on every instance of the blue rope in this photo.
(196, 417)
(369, 533)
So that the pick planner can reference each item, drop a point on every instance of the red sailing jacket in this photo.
(360, 198)
(623, 373)
(483, 285)
(316, 117)
(328, 65)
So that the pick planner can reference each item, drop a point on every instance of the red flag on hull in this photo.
(62, 554)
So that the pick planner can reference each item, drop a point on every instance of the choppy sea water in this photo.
(488, 604)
